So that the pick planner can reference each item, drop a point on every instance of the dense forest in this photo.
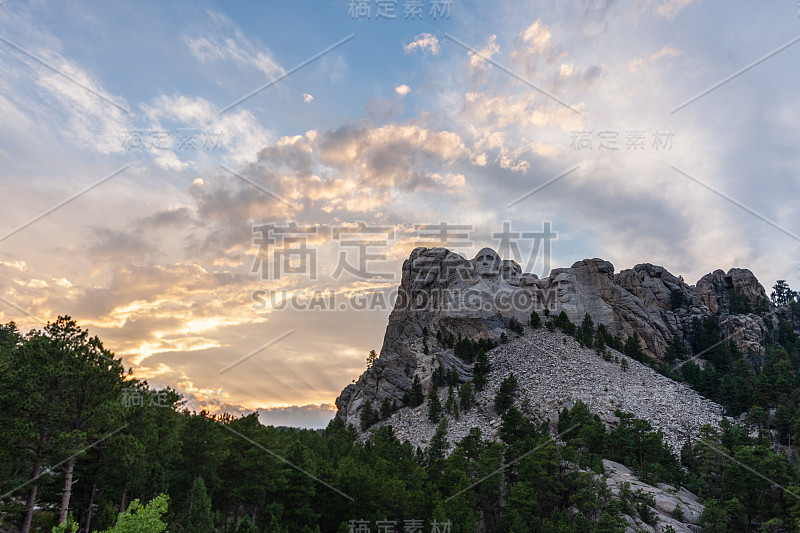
(87, 446)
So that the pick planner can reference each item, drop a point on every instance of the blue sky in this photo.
(398, 126)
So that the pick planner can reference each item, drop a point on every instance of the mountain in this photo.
(448, 305)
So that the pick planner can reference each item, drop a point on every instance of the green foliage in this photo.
(69, 526)
(633, 347)
(740, 304)
(563, 322)
(147, 519)
(505, 394)
(536, 320)
(645, 502)
(417, 396)
(677, 299)
(450, 403)
(515, 326)
(197, 516)
(434, 408)
(586, 331)
(678, 513)
(368, 415)
(527, 481)
(480, 370)
(245, 526)
(466, 396)
(781, 293)
(372, 356)
(676, 350)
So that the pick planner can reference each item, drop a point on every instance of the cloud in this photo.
(671, 8)
(667, 51)
(424, 42)
(307, 98)
(402, 90)
(307, 416)
(238, 135)
(478, 61)
(534, 49)
(228, 44)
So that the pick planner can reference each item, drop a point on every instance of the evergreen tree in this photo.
(61, 392)
(372, 356)
(505, 394)
(145, 519)
(677, 299)
(245, 526)
(434, 407)
(586, 332)
(633, 347)
(480, 370)
(437, 448)
(386, 409)
(197, 517)
(536, 320)
(451, 401)
(368, 415)
(676, 350)
(781, 293)
(466, 396)
(417, 396)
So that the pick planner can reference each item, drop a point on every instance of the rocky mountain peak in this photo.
(443, 295)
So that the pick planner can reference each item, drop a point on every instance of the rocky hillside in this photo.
(445, 296)
(554, 372)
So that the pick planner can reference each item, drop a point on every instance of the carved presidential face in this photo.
(487, 263)
(511, 272)
(565, 287)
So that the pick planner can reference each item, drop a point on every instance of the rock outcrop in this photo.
(554, 372)
(443, 293)
(667, 501)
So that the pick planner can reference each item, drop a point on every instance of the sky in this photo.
(225, 192)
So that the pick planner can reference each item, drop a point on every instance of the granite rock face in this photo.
(443, 293)
(667, 500)
(554, 372)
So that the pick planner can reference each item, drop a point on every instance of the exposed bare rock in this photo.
(442, 292)
(553, 374)
(667, 499)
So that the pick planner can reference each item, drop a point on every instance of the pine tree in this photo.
(466, 396)
(782, 294)
(587, 331)
(633, 347)
(536, 321)
(371, 358)
(368, 415)
(480, 370)
(386, 409)
(417, 396)
(505, 394)
(197, 517)
(451, 402)
(434, 408)
(245, 526)
(438, 447)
